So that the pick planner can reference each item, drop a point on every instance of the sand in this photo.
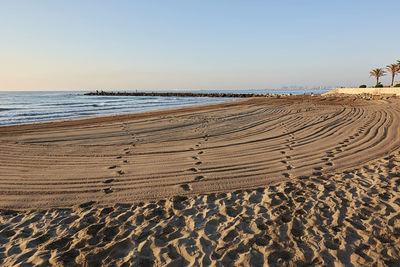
(380, 92)
(268, 181)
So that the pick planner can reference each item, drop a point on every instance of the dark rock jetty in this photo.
(102, 93)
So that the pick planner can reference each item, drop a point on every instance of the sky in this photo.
(128, 45)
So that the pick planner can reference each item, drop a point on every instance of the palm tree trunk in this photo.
(377, 80)
(393, 78)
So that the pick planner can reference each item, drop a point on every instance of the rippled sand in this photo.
(297, 180)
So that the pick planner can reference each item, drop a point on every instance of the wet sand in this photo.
(294, 180)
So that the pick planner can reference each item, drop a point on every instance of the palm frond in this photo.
(392, 68)
(378, 72)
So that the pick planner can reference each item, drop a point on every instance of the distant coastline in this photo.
(178, 94)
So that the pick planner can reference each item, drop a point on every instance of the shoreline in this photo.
(124, 116)
(238, 96)
(145, 114)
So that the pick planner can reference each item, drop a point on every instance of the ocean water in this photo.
(34, 107)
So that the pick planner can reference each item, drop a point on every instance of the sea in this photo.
(23, 107)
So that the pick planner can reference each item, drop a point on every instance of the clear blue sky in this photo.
(69, 45)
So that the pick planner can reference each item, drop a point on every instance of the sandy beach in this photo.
(298, 181)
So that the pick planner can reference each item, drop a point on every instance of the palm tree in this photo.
(393, 69)
(377, 73)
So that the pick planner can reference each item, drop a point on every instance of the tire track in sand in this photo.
(249, 144)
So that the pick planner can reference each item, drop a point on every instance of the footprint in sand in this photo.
(200, 152)
(112, 167)
(107, 190)
(108, 181)
(186, 187)
(198, 178)
(120, 172)
(193, 170)
(198, 163)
